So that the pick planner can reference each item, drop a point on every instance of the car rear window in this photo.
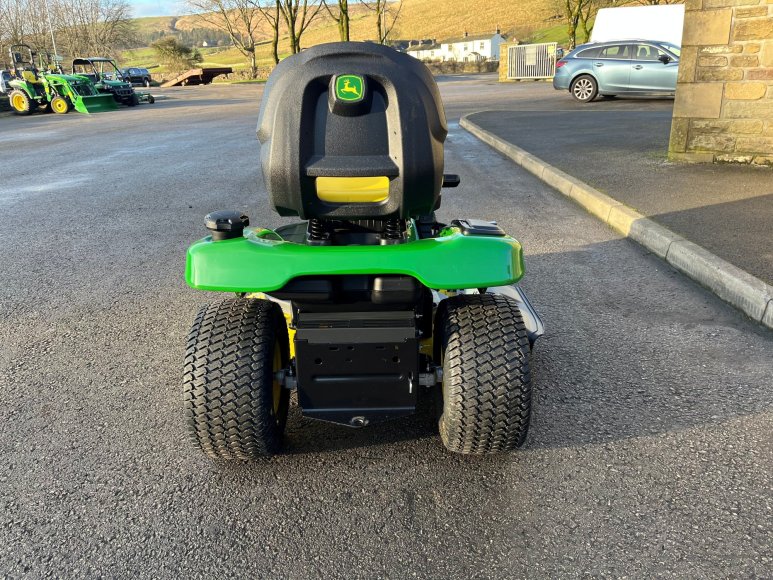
(617, 51)
(589, 53)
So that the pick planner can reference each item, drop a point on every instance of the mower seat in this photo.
(30, 77)
(352, 131)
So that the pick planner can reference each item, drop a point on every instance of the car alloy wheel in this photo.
(583, 89)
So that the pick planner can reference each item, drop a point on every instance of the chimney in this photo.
(465, 34)
(497, 31)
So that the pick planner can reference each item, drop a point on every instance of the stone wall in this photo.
(454, 67)
(503, 57)
(724, 99)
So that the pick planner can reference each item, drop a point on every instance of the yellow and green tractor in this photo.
(48, 89)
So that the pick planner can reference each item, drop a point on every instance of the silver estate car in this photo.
(618, 67)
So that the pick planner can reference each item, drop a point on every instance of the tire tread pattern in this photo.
(486, 374)
(228, 379)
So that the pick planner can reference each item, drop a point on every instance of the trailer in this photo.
(197, 76)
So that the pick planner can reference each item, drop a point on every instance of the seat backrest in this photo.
(352, 130)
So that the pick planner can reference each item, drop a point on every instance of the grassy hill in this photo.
(419, 19)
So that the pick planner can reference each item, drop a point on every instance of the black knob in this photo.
(226, 224)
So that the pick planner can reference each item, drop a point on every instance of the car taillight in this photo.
(560, 63)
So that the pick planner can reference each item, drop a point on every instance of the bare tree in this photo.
(298, 15)
(239, 19)
(588, 16)
(24, 23)
(80, 26)
(91, 26)
(387, 13)
(341, 16)
(271, 13)
(573, 12)
(11, 32)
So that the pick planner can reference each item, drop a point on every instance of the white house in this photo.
(426, 52)
(463, 49)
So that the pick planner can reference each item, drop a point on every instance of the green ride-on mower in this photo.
(107, 78)
(369, 304)
(48, 89)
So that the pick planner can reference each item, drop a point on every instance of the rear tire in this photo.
(234, 407)
(146, 83)
(584, 88)
(20, 102)
(486, 392)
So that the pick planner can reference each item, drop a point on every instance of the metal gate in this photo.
(531, 61)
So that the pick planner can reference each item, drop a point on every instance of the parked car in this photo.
(618, 67)
(5, 78)
(136, 76)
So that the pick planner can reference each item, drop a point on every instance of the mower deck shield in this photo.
(261, 261)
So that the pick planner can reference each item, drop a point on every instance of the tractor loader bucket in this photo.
(95, 103)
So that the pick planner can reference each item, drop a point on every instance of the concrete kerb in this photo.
(739, 288)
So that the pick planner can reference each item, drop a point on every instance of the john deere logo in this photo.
(349, 88)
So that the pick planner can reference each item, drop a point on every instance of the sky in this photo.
(156, 7)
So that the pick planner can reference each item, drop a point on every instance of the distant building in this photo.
(424, 49)
(466, 48)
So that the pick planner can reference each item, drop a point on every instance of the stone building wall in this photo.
(503, 58)
(723, 109)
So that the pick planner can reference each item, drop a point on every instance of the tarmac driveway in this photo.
(650, 450)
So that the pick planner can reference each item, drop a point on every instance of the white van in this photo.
(661, 23)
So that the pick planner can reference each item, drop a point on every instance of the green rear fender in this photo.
(22, 86)
(262, 262)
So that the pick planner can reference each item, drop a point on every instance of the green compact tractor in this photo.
(108, 80)
(48, 89)
(369, 304)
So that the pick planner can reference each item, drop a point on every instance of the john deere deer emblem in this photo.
(349, 88)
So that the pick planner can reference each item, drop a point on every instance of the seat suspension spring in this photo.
(393, 230)
(317, 230)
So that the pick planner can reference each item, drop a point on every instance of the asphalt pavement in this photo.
(650, 452)
(724, 208)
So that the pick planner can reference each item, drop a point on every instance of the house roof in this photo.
(424, 47)
(469, 38)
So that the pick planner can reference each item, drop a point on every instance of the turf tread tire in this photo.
(486, 405)
(229, 378)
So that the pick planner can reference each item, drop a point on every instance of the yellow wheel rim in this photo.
(19, 102)
(59, 106)
(277, 384)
